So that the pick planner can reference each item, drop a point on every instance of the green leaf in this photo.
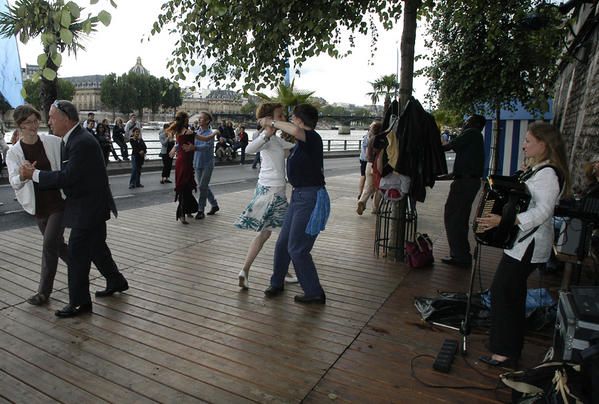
(65, 18)
(87, 27)
(57, 59)
(104, 17)
(74, 9)
(42, 58)
(92, 2)
(112, 3)
(49, 74)
(48, 38)
(23, 92)
(66, 36)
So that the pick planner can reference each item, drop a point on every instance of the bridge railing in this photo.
(329, 146)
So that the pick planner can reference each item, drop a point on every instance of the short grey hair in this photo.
(67, 108)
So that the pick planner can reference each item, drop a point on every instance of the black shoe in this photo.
(131, 186)
(322, 299)
(168, 181)
(456, 263)
(71, 311)
(111, 290)
(273, 291)
(38, 299)
(213, 210)
(162, 181)
(200, 216)
(139, 186)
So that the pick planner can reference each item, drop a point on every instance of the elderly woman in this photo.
(47, 205)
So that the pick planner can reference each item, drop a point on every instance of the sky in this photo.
(114, 49)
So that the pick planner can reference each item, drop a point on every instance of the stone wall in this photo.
(576, 104)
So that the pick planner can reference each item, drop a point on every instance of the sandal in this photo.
(38, 299)
(508, 363)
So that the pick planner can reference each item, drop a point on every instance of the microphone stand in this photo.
(465, 327)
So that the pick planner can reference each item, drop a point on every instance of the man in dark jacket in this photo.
(467, 172)
(88, 204)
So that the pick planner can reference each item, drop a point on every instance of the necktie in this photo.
(63, 153)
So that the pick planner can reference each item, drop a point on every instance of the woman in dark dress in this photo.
(185, 183)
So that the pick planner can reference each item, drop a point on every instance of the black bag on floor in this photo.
(550, 382)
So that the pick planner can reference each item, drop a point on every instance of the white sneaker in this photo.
(291, 279)
(244, 283)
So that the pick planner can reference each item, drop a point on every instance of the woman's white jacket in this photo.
(15, 156)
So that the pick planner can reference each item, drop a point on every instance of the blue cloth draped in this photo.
(320, 214)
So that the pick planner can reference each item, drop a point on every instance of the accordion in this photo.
(505, 196)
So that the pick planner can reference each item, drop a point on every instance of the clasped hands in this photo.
(26, 170)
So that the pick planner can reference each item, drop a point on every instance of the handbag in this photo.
(420, 251)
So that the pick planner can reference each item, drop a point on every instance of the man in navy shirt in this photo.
(306, 214)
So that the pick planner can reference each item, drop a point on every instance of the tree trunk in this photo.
(408, 39)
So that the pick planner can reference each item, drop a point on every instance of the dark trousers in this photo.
(457, 216)
(294, 244)
(167, 165)
(136, 165)
(87, 246)
(120, 141)
(508, 300)
(53, 247)
(242, 148)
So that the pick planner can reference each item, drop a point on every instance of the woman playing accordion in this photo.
(544, 149)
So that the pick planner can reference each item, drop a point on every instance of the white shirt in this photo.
(65, 139)
(272, 159)
(544, 190)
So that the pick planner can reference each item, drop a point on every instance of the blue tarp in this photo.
(11, 81)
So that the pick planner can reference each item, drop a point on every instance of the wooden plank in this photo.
(14, 390)
(117, 365)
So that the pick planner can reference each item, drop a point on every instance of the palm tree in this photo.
(387, 86)
(374, 95)
(288, 96)
(59, 26)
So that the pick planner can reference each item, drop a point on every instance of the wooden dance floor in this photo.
(185, 332)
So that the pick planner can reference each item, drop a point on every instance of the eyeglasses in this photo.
(33, 121)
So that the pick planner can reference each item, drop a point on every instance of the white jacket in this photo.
(15, 156)
(544, 190)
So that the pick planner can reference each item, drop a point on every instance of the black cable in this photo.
(439, 386)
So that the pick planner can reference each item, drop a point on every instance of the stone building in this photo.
(217, 101)
(576, 105)
(87, 92)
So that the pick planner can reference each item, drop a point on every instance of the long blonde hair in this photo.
(555, 151)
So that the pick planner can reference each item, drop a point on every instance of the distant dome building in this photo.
(139, 68)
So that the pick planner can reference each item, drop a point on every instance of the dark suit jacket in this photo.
(83, 180)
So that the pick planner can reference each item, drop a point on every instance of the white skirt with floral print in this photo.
(265, 211)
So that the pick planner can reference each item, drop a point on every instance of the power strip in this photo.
(445, 356)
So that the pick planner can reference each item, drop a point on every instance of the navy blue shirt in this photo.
(304, 164)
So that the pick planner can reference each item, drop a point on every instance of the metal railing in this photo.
(329, 146)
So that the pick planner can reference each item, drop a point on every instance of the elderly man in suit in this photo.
(88, 204)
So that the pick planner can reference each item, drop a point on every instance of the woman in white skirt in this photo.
(267, 209)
